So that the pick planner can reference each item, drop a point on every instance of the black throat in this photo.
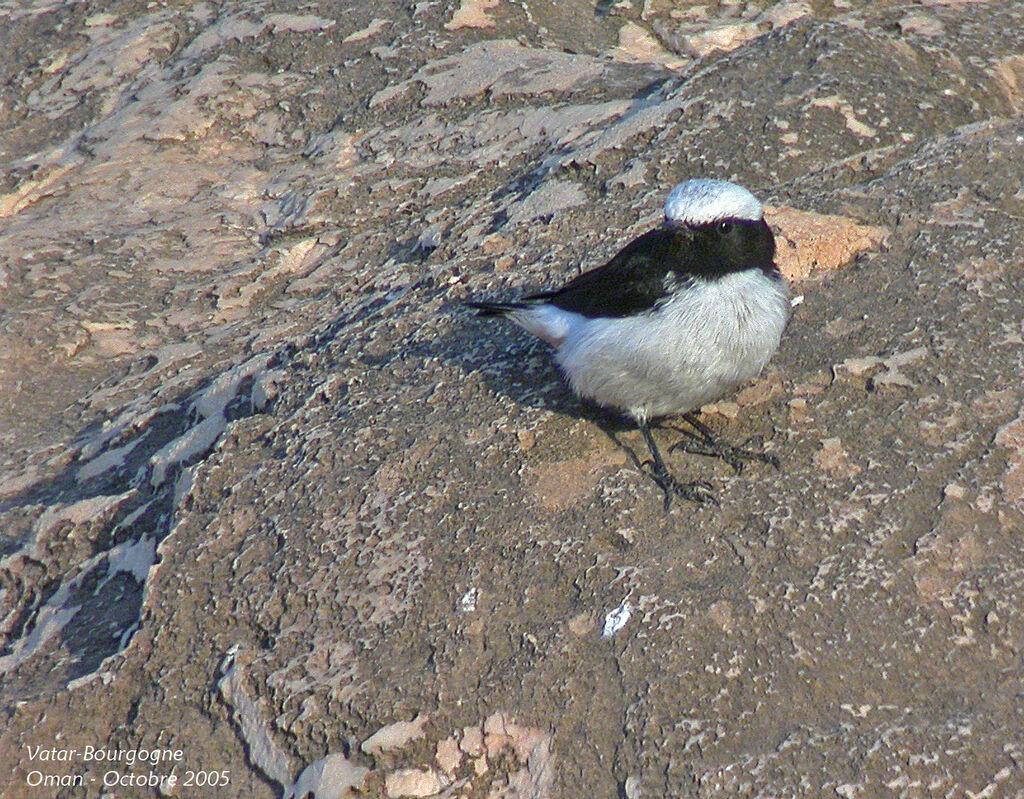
(720, 248)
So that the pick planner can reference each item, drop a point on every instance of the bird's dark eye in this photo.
(724, 227)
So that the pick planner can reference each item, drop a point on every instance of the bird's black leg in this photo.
(696, 491)
(705, 442)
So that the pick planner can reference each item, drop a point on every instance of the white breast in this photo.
(702, 343)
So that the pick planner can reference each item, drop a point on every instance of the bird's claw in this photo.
(698, 491)
(734, 456)
(753, 449)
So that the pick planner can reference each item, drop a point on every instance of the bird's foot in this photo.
(734, 456)
(701, 441)
(698, 491)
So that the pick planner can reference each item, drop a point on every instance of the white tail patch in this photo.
(547, 322)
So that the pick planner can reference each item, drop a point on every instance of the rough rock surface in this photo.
(271, 499)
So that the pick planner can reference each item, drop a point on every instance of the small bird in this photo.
(679, 317)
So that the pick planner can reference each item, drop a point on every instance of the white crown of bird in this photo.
(700, 202)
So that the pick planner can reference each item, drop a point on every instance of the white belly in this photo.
(692, 350)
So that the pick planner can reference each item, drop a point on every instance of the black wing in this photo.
(636, 280)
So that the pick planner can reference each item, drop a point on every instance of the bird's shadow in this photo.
(515, 365)
(522, 368)
(510, 361)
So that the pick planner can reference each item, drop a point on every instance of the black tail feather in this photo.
(484, 308)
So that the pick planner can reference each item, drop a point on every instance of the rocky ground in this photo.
(273, 503)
